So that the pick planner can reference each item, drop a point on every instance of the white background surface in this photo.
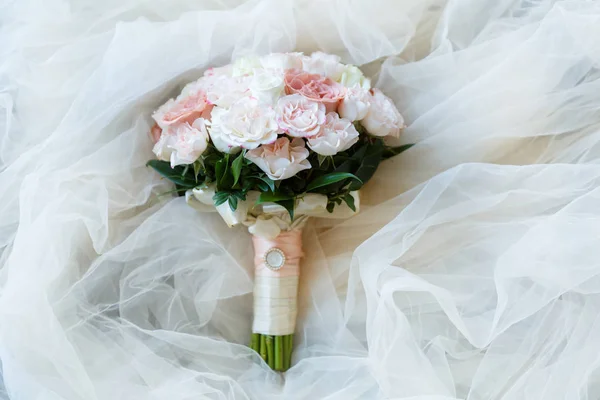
(472, 272)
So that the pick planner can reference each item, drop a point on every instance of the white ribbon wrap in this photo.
(275, 305)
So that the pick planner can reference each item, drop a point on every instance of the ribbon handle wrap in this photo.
(277, 239)
(277, 271)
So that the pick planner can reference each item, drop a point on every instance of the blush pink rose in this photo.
(315, 87)
(298, 116)
(155, 132)
(186, 108)
(182, 144)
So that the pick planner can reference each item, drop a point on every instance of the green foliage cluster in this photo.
(234, 175)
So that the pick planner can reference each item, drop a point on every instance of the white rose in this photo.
(192, 88)
(182, 143)
(226, 70)
(217, 136)
(245, 125)
(282, 61)
(355, 105)
(267, 85)
(281, 159)
(223, 91)
(337, 134)
(383, 118)
(300, 117)
(352, 76)
(245, 65)
(324, 64)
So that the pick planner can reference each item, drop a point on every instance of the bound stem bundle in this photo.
(277, 269)
(275, 350)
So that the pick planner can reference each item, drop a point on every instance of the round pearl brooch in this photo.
(274, 259)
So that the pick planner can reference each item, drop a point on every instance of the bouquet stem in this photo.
(277, 264)
(277, 350)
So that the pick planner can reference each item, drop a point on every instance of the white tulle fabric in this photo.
(472, 272)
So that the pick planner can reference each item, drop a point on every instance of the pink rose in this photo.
(187, 107)
(155, 133)
(314, 87)
(182, 143)
(298, 116)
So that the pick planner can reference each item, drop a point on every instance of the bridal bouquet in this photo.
(268, 142)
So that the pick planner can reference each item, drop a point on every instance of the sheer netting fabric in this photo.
(472, 271)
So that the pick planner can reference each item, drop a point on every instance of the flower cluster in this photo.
(273, 118)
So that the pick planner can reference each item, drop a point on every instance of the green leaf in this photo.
(172, 174)
(360, 152)
(267, 197)
(349, 164)
(177, 191)
(197, 169)
(185, 170)
(223, 174)
(369, 164)
(220, 198)
(330, 207)
(289, 206)
(270, 182)
(236, 167)
(220, 170)
(296, 184)
(389, 152)
(350, 201)
(328, 179)
(180, 190)
(239, 194)
(233, 203)
(263, 187)
(361, 129)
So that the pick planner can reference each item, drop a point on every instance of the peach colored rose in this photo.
(187, 107)
(315, 87)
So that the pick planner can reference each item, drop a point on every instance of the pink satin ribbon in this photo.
(290, 243)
